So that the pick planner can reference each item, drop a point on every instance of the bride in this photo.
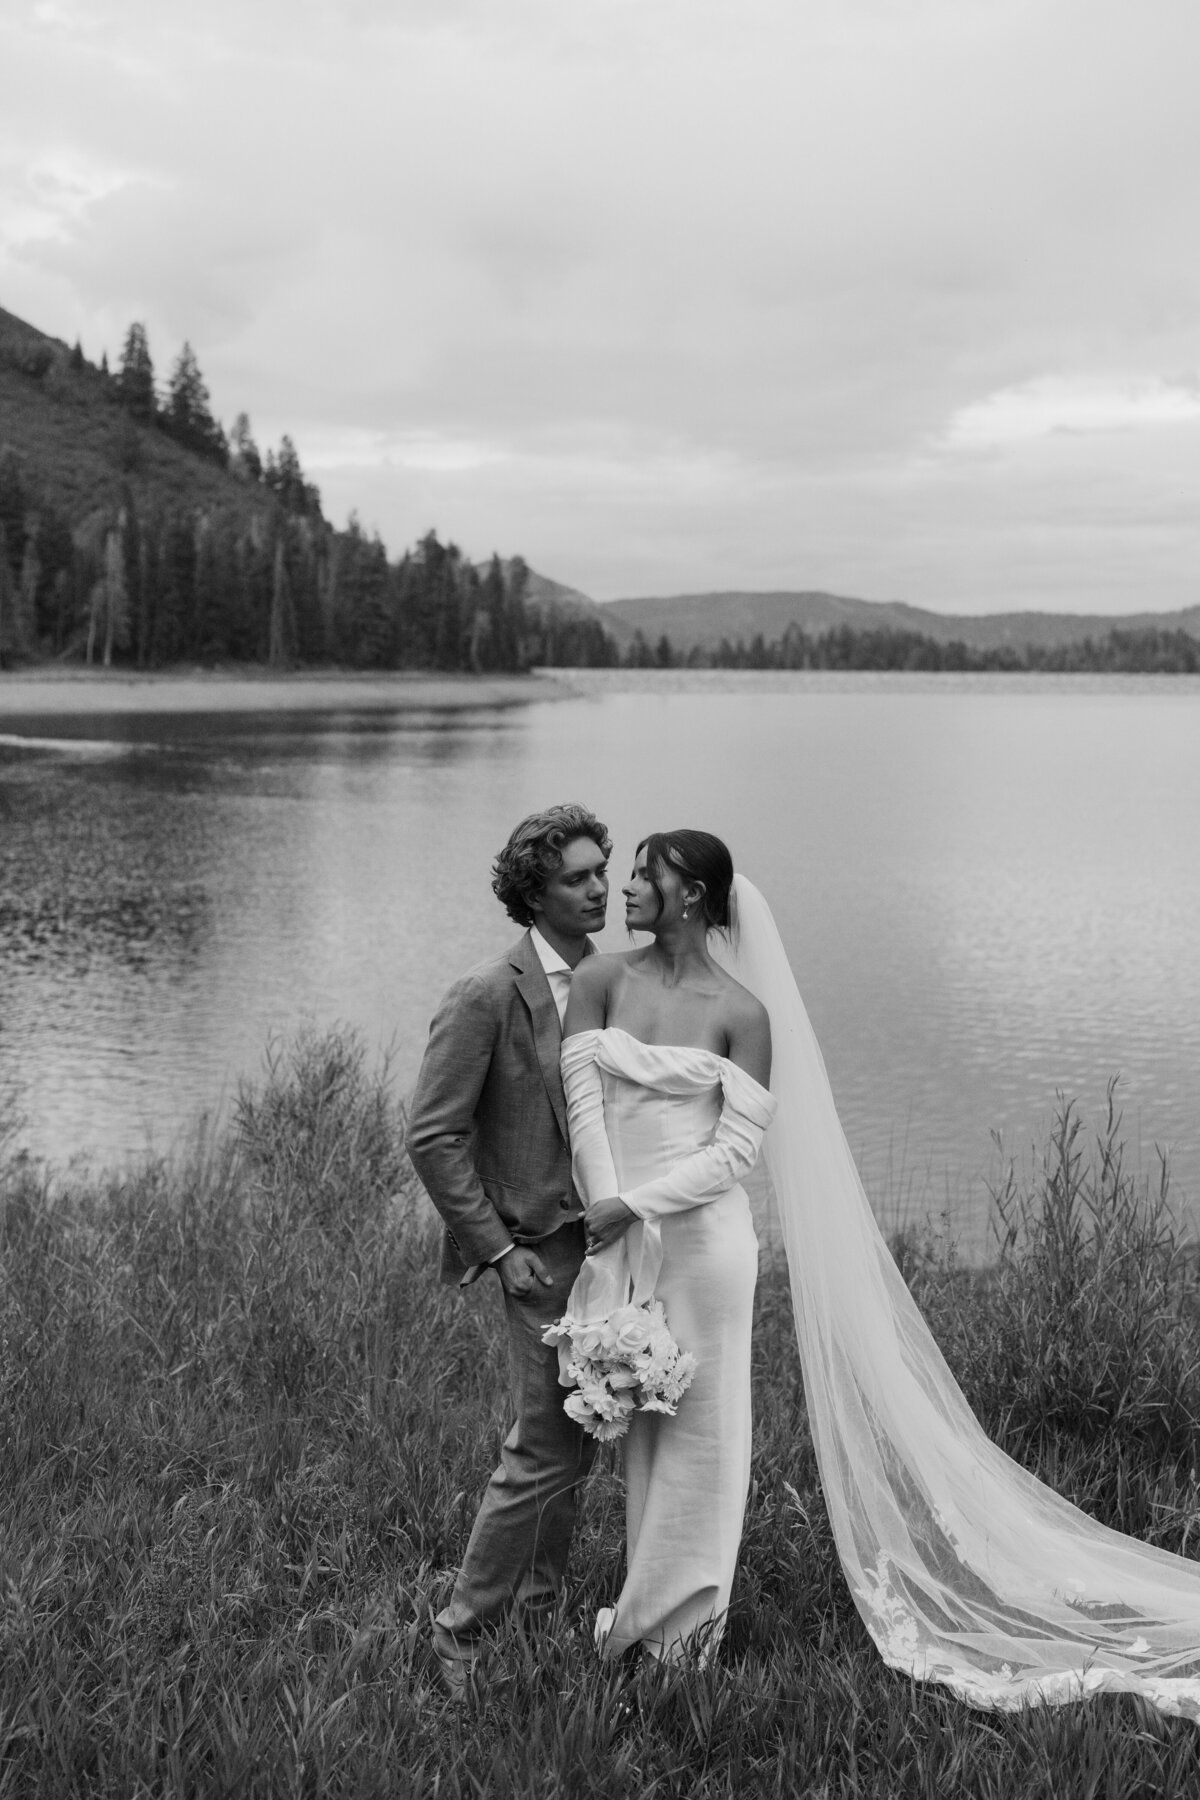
(665, 1062)
(966, 1569)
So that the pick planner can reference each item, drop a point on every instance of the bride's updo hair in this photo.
(699, 857)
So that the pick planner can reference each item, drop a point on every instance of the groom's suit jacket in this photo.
(487, 1126)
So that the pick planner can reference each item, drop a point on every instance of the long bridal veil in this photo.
(965, 1569)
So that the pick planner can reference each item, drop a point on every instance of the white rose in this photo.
(588, 1339)
(632, 1334)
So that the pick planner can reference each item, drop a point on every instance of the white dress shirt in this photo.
(558, 973)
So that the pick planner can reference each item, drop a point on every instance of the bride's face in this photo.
(648, 907)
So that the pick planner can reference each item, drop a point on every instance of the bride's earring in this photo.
(685, 912)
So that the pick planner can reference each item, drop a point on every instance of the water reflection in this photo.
(988, 894)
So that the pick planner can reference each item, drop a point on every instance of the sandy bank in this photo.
(42, 693)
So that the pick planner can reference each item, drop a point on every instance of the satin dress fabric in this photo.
(674, 1130)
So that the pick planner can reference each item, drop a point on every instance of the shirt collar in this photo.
(548, 956)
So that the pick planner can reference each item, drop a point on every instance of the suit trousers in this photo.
(517, 1553)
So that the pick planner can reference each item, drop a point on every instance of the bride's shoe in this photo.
(606, 1618)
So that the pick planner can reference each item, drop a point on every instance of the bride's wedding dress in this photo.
(965, 1569)
(673, 1131)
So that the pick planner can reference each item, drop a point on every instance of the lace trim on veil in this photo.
(965, 1569)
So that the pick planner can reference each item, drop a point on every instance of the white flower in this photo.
(623, 1378)
(588, 1339)
(630, 1327)
(602, 1404)
(577, 1408)
(628, 1361)
(606, 1431)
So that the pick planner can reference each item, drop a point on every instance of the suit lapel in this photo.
(534, 990)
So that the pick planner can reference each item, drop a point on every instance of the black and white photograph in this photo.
(599, 897)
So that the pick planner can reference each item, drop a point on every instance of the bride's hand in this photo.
(605, 1222)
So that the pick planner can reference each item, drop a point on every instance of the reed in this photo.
(243, 1430)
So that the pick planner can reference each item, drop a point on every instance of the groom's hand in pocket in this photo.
(521, 1271)
(606, 1221)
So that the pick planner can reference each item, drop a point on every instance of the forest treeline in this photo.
(255, 573)
(273, 587)
(262, 577)
(1150, 652)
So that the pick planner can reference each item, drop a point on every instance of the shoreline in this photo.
(44, 693)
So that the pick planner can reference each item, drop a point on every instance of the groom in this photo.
(487, 1134)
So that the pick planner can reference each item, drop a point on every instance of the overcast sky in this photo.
(896, 298)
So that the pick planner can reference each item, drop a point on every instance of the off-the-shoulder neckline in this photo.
(688, 1049)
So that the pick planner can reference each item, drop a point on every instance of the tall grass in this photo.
(243, 1430)
(1079, 1347)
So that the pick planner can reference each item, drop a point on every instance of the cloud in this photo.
(654, 291)
(1074, 404)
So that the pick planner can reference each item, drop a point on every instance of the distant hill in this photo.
(542, 589)
(79, 448)
(704, 619)
(550, 597)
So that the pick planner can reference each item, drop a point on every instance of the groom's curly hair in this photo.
(534, 851)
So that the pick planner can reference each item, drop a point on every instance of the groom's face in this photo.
(573, 901)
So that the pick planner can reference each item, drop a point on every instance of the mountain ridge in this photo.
(703, 620)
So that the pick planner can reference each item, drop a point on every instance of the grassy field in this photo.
(243, 1431)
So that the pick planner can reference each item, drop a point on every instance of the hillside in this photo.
(702, 620)
(545, 591)
(134, 532)
(75, 445)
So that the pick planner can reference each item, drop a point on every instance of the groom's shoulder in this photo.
(493, 974)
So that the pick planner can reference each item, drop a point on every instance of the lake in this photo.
(989, 887)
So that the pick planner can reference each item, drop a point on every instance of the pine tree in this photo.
(54, 586)
(449, 642)
(188, 412)
(244, 458)
(421, 589)
(218, 576)
(7, 590)
(135, 377)
(27, 591)
(20, 566)
(14, 503)
(116, 623)
(108, 599)
(174, 578)
(258, 586)
(284, 476)
(403, 591)
(518, 612)
(206, 599)
(281, 651)
(494, 648)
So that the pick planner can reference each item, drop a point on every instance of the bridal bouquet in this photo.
(619, 1365)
